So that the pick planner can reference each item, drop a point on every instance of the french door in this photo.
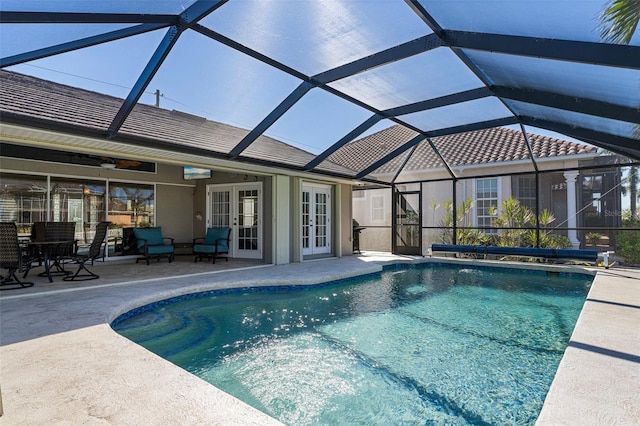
(316, 219)
(238, 207)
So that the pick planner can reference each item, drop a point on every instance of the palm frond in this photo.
(619, 21)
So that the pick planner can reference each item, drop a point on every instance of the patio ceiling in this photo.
(323, 74)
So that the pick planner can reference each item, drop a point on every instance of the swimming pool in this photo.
(432, 343)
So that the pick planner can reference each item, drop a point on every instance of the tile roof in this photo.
(494, 145)
(23, 96)
(34, 99)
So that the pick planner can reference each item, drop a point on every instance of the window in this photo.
(377, 208)
(131, 205)
(26, 199)
(79, 201)
(23, 199)
(527, 192)
(486, 199)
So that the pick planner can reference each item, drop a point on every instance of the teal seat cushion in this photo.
(223, 247)
(204, 248)
(161, 249)
(215, 234)
(153, 236)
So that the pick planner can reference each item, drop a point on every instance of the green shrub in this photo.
(628, 242)
(556, 241)
(593, 238)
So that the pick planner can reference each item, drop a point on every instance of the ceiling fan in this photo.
(118, 163)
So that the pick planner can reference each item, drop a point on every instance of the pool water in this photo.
(426, 344)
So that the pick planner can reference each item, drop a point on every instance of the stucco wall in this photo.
(229, 178)
(376, 239)
(345, 230)
(175, 212)
(177, 201)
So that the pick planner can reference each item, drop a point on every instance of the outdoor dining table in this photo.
(46, 249)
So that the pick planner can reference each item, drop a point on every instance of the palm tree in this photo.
(618, 24)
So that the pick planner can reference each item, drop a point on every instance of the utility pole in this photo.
(158, 94)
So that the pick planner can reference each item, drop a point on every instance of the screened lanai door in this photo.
(407, 222)
(240, 208)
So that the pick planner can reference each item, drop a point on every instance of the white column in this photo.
(282, 224)
(570, 179)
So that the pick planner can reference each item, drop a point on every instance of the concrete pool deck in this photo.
(61, 363)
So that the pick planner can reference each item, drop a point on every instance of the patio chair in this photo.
(37, 234)
(65, 232)
(214, 244)
(12, 258)
(95, 251)
(152, 245)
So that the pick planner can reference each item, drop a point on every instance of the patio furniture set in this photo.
(150, 244)
(53, 245)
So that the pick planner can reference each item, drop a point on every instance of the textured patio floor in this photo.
(60, 362)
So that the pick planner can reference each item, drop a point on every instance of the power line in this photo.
(159, 95)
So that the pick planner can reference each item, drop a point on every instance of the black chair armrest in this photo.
(198, 240)
(168, 238)
(144, 244)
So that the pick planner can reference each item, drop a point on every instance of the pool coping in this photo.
(50, 375)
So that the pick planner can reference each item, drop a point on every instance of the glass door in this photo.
(407, 226)
(247, 224)
(316, 219)
(238, 207)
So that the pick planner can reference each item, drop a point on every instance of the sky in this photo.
(205, 78)
(208, 79)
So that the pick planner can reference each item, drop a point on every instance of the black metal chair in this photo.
(12, 258)
(60, 253)
(95, 251)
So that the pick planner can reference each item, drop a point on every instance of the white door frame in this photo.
(246, 241)
(317, 221)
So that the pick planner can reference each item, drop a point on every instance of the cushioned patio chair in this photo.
(95, 251)
(214, 244)
(152, 245)
(12, 258)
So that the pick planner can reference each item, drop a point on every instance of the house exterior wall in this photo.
(176, 212)
(270, 244)
(377, 233)
(552, 195)
(435, 196)
(282, 220)
(180, 206)
(343, 225)
(341, 215)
